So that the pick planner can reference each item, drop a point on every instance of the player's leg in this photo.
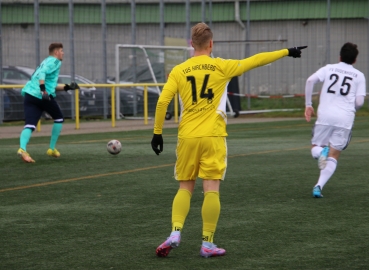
(185, 171)
(320, 141)
(52, 108)
(181, 204)
(320, 150)
(327, 172)
(180, 209)
(338, 142)
(32, 112)
(210, 211)
(213, 166)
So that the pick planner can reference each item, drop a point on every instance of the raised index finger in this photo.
(302, 47)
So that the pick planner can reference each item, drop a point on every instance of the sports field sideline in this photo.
(121, 125)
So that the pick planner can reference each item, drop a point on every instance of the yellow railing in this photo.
(113, 88)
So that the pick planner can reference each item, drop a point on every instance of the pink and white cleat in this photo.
(211, 250)
(172, 242)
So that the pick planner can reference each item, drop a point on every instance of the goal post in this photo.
(148, 63)
(137, 57)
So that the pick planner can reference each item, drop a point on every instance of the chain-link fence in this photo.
(90, 30)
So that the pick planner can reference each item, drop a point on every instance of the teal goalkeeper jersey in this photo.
(48, 71)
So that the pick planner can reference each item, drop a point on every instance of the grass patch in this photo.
(91, 210)
(288, 103)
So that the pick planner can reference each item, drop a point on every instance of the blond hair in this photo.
(201, 35)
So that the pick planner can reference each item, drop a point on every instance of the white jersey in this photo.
(342, 84)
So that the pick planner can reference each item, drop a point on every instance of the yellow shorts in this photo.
(201, 157)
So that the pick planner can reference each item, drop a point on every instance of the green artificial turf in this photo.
(92, 210)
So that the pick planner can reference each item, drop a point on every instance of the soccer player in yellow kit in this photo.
(201, 83)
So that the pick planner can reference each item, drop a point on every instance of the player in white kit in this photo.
(342, 94)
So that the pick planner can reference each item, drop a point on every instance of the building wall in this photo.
(286, 76)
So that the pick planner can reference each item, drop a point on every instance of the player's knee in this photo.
(315, 151)
(59, 121)
(30, 127)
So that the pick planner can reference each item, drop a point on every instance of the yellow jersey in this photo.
(201, 83)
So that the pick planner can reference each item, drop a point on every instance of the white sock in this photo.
(175, 233)
(315, 151)
(327, 172)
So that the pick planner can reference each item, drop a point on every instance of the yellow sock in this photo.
(210, 215)
(180, 209)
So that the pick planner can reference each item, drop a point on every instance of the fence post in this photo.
(188, 20)
(162, 34)
(210, 14)
(76, 97)
(71, 44)
(146, 113)
(328, 37)
(2, 105)
(112, 106)
(203, 11)
(117, 81)
(37, 31)
(248, 84)
(105, 57)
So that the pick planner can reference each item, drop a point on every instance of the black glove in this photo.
(295, 52)
(157, 140)
(72, 86)
(45, 95)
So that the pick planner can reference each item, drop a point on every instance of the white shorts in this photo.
(336, 137)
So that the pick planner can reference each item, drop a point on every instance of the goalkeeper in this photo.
(201, 83)
(39, 96)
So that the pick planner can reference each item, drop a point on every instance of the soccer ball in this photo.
(114, 147)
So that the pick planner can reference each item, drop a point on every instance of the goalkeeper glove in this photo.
(295, 52)
(157, 141)
(72, 86)
(45, 95)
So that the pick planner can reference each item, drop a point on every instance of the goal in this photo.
(149, 64)
(146, 64)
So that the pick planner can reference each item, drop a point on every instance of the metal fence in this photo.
(90, 30)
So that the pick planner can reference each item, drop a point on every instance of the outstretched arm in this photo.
(66, 87)
(238, 67)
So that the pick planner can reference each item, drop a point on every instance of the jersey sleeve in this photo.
(169, 90)
(234, 68)
(320, 73)
(309, 86)
(361, 89)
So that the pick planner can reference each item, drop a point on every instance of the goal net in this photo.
(278, 86)
(144, 64)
